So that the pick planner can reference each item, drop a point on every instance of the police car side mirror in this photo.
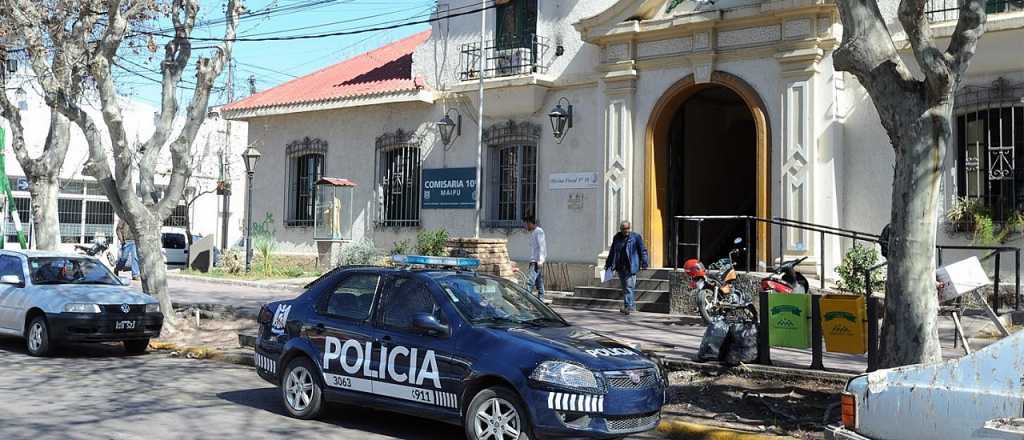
(429, 324)
(12, 280)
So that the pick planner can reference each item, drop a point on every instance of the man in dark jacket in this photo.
(627, 257)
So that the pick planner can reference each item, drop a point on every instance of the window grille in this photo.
(99, 219)
(178, 217)
(23, 204)
(989, 135)
(398, 179)
(949, 10)
(306, 159)
(511, 173)
(69, 214)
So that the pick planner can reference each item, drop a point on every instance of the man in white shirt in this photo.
(538, 253)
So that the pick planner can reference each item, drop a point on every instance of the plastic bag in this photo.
(742, 344)
(711, 343)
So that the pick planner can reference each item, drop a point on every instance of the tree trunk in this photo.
(909, 332)
(46, 223)
(151, 263)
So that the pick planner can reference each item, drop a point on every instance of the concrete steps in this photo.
(652, 293)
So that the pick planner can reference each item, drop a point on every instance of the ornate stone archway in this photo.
(656, 151)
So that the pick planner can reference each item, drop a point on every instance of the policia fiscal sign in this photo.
(355, 361)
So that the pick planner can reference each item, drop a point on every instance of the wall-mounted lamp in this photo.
(449, 128)
(561, 119)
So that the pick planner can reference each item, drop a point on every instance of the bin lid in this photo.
(335, 181)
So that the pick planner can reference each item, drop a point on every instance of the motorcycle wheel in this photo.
(706, 304)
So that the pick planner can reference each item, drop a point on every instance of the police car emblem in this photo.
(633, 377)
(125, 308)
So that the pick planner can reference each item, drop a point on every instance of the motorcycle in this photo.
(97, 249)
(717, 297)
(785, 279)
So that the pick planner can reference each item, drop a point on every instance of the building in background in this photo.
(83, 209)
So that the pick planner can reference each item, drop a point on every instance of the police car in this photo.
(437, 340)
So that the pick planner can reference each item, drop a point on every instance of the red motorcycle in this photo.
(785, 279)
(717, 295)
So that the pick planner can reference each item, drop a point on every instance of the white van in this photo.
(175, 246)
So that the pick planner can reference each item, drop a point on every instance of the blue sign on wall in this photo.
(449, 188)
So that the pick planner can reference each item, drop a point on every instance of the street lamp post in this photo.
(249, 157)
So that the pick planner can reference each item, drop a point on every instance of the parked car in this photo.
(50, 297)
(175, 245)
(455, 346)
(979, 396)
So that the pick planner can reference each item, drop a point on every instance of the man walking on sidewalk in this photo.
(129, 254)
(539, 252)
(627, 256)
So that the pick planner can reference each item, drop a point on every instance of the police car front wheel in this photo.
(301, 389)
(495, 414)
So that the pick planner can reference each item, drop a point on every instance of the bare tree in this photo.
(137, 201)
(65, 58)
(917, 115)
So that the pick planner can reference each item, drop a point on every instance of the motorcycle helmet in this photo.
(694, 268)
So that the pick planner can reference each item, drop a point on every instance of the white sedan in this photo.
(50, 297)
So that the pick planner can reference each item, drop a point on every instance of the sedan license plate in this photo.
(126, 325)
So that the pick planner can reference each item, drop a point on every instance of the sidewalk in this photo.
(674, 337)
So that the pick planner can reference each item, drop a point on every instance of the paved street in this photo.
(96, 392)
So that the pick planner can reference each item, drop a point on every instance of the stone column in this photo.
(798, 68)
(492, 253)
(620, 88)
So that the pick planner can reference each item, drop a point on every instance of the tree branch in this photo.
(933, 62)
(964, 42)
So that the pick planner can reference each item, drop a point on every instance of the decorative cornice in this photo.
(414, 96)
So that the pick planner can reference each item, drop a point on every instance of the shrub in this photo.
(985, 231)
(359, 253)
(851, 271)
(232, 261)
(432, 242)
(963, 213)
(401, 247)
(264, 242)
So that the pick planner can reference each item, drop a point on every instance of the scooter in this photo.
(717, 297)
(785, 279)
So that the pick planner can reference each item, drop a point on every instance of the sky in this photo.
(275, 62)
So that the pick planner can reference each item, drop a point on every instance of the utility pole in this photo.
(225, 170)
(480, 120)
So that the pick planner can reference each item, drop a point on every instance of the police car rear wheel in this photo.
(301, 390)
(495, 414)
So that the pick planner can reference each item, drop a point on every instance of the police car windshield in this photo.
(493, 301)
(60, 270)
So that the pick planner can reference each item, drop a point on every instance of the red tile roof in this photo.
(387, 69)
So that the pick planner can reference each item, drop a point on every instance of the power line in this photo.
(325, 35)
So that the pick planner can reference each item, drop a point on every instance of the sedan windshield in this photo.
(64, 270)
(495, 301)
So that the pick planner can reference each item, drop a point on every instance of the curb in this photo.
(268, 285)
(675, 363)
(678, 429)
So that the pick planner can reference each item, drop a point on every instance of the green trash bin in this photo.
(789, 322)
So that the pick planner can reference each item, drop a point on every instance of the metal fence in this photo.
(507, 56)
(948, 10)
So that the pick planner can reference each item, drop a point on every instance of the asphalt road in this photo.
(94, 391)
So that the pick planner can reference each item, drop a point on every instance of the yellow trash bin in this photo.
(844, 323)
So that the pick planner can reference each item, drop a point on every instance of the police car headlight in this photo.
(153, 308)
(568, 375)
(81, 308)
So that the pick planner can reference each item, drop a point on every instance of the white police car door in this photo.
(420, 365)
(343, 333)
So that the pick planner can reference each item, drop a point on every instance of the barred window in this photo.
(99, 220)
(23, 204)
(989, 136)
(511, 174)
(69, 213)
(305, 167)
(398, 179)
(178, 217)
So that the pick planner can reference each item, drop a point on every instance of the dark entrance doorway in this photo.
(712, 155)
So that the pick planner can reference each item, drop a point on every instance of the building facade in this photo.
(680, 108)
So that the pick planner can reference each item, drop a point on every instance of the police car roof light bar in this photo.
(424, 260)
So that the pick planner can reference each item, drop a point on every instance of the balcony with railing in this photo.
(507, 56)
(949, 10)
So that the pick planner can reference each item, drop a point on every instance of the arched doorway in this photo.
(707, 153)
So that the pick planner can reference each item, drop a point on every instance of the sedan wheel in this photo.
(37, 337)
(495, 414)
(301, 389)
